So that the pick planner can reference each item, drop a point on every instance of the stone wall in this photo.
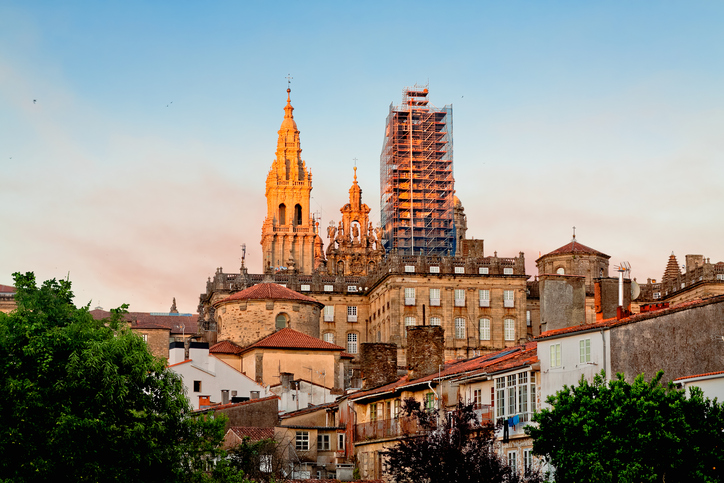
(244, 322)
(680, 341)
(426, 350)
(157, 340)
(562, 301)
(379, 364)
(261, 413)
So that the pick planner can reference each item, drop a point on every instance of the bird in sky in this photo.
(34, 101)
(169, 103)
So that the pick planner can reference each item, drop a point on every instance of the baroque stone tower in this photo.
(355, 248)
(289, 234)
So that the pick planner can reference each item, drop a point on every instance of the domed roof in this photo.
(575, 248)
(267, 291)
(289, 124)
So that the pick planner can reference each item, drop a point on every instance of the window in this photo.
(484, 296)
(373, 412)
(410, 321)
(484, 328)
(507, 271)
(305, 288)
(459, 328)
(435, 321)
(398, 407)
(282, 214)
(500, 396)
(657, 295)
(523, 392)
(351, 288)
(301, 442)
(477, 398)
(509, 329)
(561, 271)
(340, 441)
(144, 337)
(197, 386)
(556, 355)
(297, 214)
(459, 297)
(352, 343)
(720, 276)
(329, 288)
(584, 346)
(409, 296)
(513, 460)
(281, 321)
(508, 298)
(483, 270)
(352, 313)
(429, 401)
(528, 320)
(459, 269)
(434, 297)
(409, 269)
(527, 460)
(435, 269)
(329, 313)
(323, 442)
(329, 337)
(511, 394)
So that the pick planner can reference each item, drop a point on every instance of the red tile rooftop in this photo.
(7, 289)
(291, 339)
(575, 247)
(233, 405)
(178, 324)
(225, 347)
(268, 291)
(254, 434)
(699, 375)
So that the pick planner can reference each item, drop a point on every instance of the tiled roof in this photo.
(254, 434)
(672, 271)
(233, 405)
(267, 291)
(306, 410)
(575, 248)
(179, 363)
(149, 325)
(501, 360)
(7, 289)
(633, 318)
(225, 347)
(291, 339)
(178, 324)
(699, 375)
(346, 355)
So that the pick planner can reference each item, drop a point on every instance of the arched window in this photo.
(282, 219)
(329, 337)
(297, 215)
(281, 321)
(561, 271)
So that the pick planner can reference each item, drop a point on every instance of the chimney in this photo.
(204, 402)
(379, 364)
(562, 301)
(286, 380)
(606, 297)
(224, 396)
(425, 350)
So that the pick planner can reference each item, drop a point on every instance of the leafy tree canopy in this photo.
(84, 400)
(639, 432)
(454, 449)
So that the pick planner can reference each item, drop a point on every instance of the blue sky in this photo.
(140, 168)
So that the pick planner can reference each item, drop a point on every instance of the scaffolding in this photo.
(416, 177)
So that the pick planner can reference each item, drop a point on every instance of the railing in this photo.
(387, 428)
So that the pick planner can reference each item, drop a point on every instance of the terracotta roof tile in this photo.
(266, 291)
(291, 339)
(254, 434)
(574, 247)
(233, 405)
(7, 289)
(700, 375)
(225, 347)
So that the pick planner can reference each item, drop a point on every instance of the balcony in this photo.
(508, 303)
(484, 303)
(434, 302)
(459, 302)
(387, 428)
(351, 318)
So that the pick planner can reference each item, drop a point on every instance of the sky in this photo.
(135, 137)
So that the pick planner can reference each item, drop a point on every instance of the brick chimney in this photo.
(379, 364)
(425, 350)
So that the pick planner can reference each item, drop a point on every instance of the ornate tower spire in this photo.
(288, 231)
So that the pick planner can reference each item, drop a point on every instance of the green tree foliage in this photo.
(452, 448)
(84, 400)
(260, 461)
(640, 432)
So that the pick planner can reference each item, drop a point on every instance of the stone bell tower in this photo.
(289, 234)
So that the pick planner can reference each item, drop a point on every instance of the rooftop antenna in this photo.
(623, 269)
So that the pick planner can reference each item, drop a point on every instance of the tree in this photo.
(457, 449)
(640, 432)
(84, 400)
(260, 460)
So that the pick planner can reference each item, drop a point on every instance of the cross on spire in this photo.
(289, 80)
